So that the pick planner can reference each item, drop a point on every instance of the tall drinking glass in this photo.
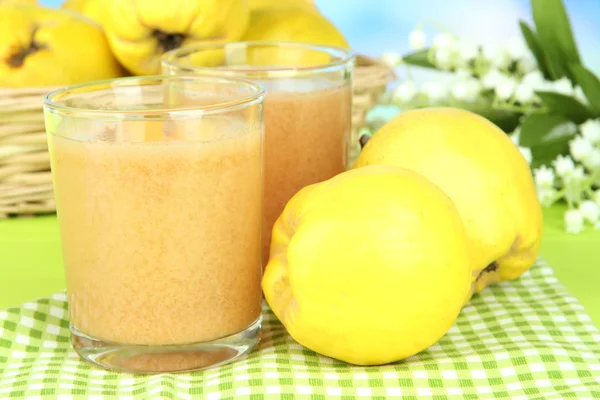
(307, 109)
(159, 192)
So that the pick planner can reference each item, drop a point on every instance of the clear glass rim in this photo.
(51, 102)
(343, 57)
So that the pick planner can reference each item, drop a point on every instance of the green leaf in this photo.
(566, 106)
(543, 128)
(557, 67)
(504, 119)
(536, 49)
(554, 30)
(590, 85)
(545, 153)
(419, 58)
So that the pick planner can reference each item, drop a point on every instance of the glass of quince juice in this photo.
(159, 191)
(307, 109)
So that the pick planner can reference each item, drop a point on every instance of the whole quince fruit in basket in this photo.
(261, 4)
(2, 2)
(369, 267)
(93, 9)
(43, 46)
(482, 171)
(31, 2)
(140, 31)
(293, 24)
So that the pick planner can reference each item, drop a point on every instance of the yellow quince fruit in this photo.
(93, 9)
(44, 47)
(293, 24)
(140, 31)
(3, 2)
(261, 4)
(74, 5)
(482, 171)
(369, 267)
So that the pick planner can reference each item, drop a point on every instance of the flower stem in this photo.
(407, 68)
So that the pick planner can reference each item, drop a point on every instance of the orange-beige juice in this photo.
(306, 141)
(161, 238)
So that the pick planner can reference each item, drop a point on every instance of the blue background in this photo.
(373, 27)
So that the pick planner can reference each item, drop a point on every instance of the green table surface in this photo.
(31, 263)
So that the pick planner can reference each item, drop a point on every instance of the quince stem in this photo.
(17, 59)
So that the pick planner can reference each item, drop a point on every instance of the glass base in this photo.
(170, 358)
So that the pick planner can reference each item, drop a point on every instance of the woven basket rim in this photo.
(362, 61)
(368, 61)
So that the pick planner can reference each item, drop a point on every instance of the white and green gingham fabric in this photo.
(526, 339)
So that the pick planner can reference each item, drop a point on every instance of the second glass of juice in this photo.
(307, 109)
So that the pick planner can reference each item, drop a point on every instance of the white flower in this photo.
(417, 39)
(526, 152)
(391, 58)
(546, 196)
(563, 86)
(467, 51)
(501, 59)
(546, 86)
(527, 63)
(590, 130)
(498, 56)
(564, 166)
(466, 90)
(572, 183)
(443, 41)
(435, 91)
(580, 148)
(597, 196)
(535, 79)
(475, 86)
(524, 94)
(515, 136)
(491, 78)
(579, 95)
(443, 58)
(505, 88)
(463, 73)
(544, 177)
(573, 221)
(574, 179)
(405, 92)
(592, 161)
(516, 48)
(578, 174)
(590, 211)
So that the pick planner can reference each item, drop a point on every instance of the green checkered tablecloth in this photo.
(527, 339)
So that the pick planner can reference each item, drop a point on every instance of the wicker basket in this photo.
(370, 80)
(25, 179)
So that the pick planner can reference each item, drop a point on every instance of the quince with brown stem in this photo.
(45, 47)
(141, 31)
(477, 165)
